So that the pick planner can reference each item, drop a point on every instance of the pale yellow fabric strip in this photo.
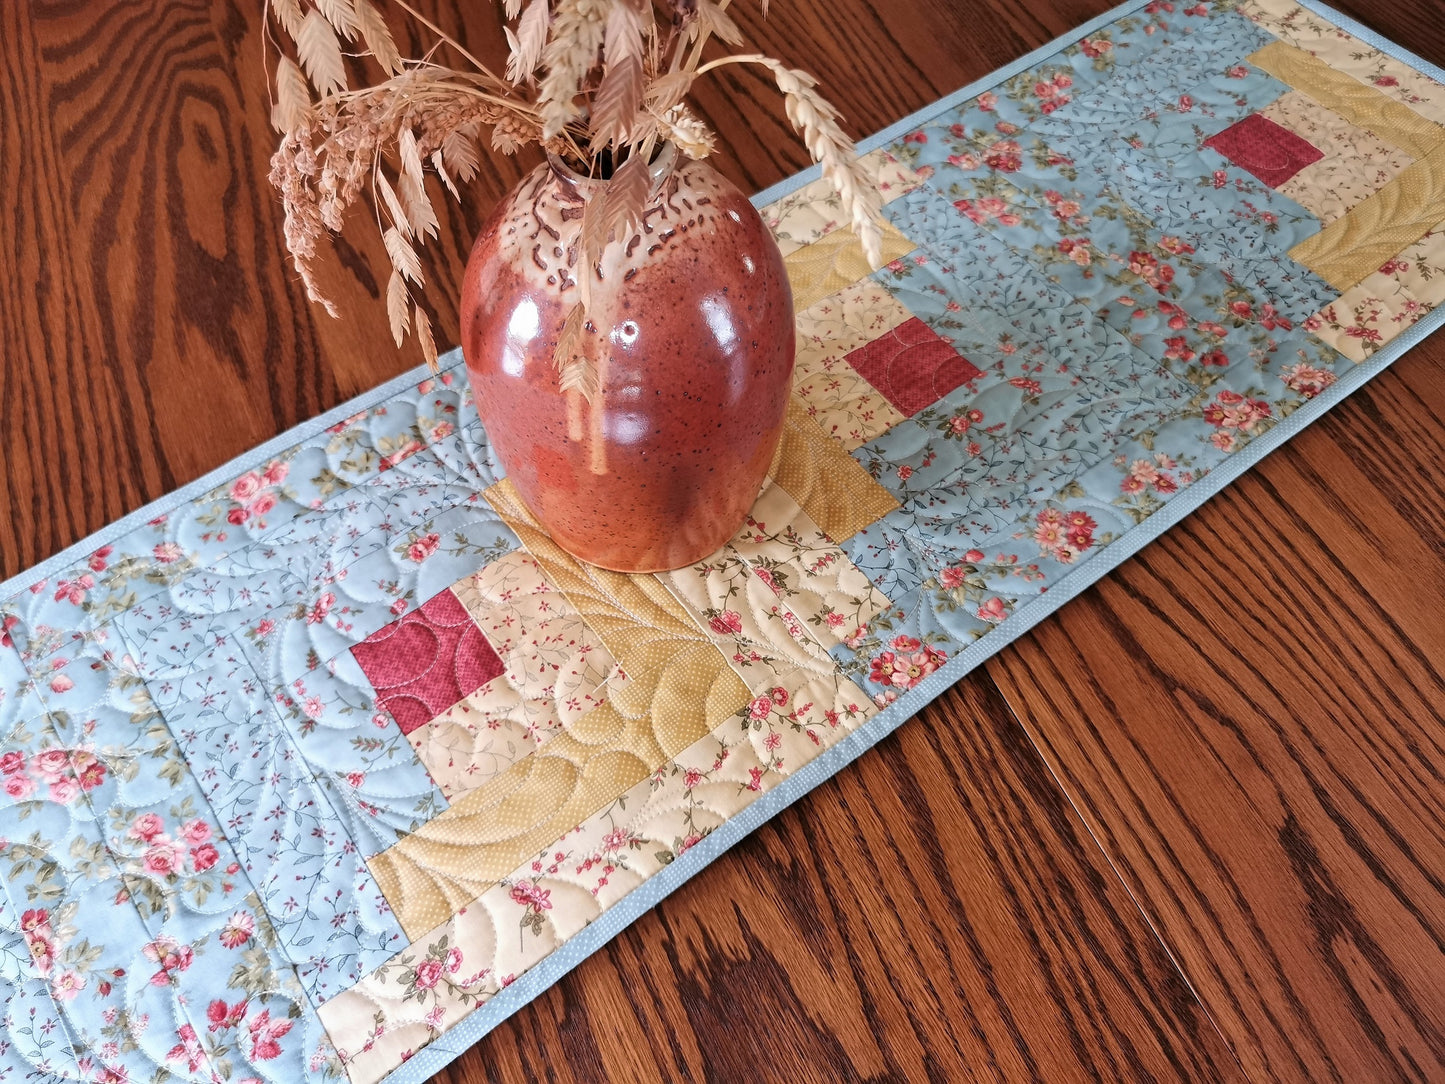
(1378, 228)
(1357, 102)
(836, 260)
(677, 687)
(828, 483)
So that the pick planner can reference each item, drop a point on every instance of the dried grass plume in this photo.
(598, 82)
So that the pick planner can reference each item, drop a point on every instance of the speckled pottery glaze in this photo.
(693, 352)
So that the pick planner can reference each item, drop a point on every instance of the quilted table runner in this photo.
(318, 768)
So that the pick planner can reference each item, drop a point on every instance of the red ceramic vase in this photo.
(690, 336)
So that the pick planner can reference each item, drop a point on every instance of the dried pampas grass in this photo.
(589, 80)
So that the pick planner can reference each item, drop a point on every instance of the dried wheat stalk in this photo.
(584, 78)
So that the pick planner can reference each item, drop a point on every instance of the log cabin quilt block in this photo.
(317, 769)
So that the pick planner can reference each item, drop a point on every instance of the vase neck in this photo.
(583, 188)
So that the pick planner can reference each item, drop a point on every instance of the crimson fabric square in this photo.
(1263, 148)
(425, 662)
(912, 367)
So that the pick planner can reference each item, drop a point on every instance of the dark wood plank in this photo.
(1251, 716)
(936, 912)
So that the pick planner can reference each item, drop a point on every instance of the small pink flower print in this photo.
(237, 516)
(532, 896)
(1095, 49)
(264, 1035)
(1308, 380)
(779, 695)
(89, 770)
(1269, 319)
(265, 627)
(834, 620)
(67, 984)
(973, 557)
(423, 547)
(761, 707)
(993, 611)
(916, 137)
(166, 552)
(188, 1049)
(146, 827)
(988, 101)
(64, 790)
(204, 857)
(245, 487)
(1005, 156)
(904, 669)
(262, 504)
(355, 779)
(98, 562)
(454, 961)
(905, 472)
(727, 623)
(1239, 71)
(312, 707)
(238, 930)
(8, 622)
(222, 1016)
(399, 606)
(1220, 178)
(320, 608)
(164, 857)
(442, 430)
(1044, 90)
(50, 764)
(766, 576)
(196, 832)
(1063, 80)
(1215, 357)
(1186, 103)
(755, 779)
(1242, 309)
(1385, 81)
(1178, 347)
(19, 786)
(73, 591)
(61, 684)
(172, 955)
(691, 778)
(1025, 384)
(275, 472)
(12, 762)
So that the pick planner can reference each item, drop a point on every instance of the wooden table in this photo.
(1193, 826)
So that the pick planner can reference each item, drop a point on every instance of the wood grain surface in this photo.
(1188, 829)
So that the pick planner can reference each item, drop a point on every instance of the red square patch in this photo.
(1263, 148)
(912, 367)
(425, 662)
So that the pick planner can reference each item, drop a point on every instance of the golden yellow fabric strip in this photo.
(828, 483)
(1359, 103)
(1378, 228)
(677, 687)
(834, 261)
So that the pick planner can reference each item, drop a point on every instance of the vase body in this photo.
(690, 342)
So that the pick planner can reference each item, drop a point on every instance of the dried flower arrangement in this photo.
(597, 82)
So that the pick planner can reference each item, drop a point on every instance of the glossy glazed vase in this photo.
(690, 337)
